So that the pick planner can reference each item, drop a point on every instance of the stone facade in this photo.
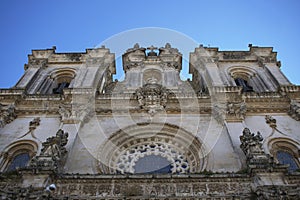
(69, 131)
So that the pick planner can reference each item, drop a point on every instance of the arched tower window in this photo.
(245, 77)
(57, 81)
(17, 155)
(242, 82)
(60, 87)
(62, 79)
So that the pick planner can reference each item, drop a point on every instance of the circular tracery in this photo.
(128, 159)
(123, 151)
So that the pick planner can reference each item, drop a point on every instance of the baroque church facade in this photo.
(69, 131)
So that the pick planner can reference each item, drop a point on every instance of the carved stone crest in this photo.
(152, 97)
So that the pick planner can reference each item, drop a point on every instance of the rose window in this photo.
(152, 158)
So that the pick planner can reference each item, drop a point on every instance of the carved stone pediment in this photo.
(277, 192)
(152, 97)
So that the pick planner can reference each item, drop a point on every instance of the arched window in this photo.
(19, 161)
(244, 84)
(17, 155)
(62, 79)
(60, 87)
(57, 81)
(286, 152)
(287, 158)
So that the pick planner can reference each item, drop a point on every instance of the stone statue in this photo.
(52, 153)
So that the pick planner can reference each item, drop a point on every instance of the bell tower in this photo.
(48, 72)
(256, 70)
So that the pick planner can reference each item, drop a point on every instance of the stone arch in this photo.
(64, 74)
(122, 150)
(242, 72)
(250, 75)
(16, 148)
(57, 80)
(285, 145)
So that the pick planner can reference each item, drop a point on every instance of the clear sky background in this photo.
(73, 26)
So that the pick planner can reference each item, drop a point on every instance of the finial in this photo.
(152, 53)
(168, 46)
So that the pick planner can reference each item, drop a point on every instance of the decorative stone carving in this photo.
(170, 57)
(294, 111)
(274, 192)
(152, 52)
(235, 55)
(7, 114)
(271, 121)
(74, 113)
(152, 97)
(34, 123)
(218, 111)
(230, 111)
(236, 109)
(32, 126)
(256, 158)
(52, 153)
(251, 145)
(28, 193)
(133, 57)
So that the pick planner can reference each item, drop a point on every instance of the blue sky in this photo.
(77, 25)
